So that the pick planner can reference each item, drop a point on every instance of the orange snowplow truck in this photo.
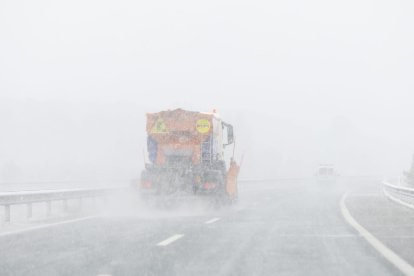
(186, 155)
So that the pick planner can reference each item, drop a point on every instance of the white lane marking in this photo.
(390, 255)
(170, 240)
(397, 200)
(45, 226)
(212, 220)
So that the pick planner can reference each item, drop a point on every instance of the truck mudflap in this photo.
(231, 181)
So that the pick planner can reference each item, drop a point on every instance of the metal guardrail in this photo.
(400, 194)
(27, 198)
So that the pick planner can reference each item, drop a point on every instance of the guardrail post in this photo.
(29, 210)
(7, 213)
(85, 199)
(48, 208)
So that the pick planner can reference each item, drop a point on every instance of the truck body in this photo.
(186, 154)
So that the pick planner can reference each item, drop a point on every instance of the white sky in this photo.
(299, 63)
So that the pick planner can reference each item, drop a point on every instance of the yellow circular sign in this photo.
(203, 126)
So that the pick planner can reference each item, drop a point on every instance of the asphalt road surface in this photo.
(277, 228)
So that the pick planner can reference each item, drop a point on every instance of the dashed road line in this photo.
(390, 255)
(212, 220)
(170, 240)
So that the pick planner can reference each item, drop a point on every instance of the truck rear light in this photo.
(209, 185)
(146, 184)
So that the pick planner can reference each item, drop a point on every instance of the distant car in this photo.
(326, 171)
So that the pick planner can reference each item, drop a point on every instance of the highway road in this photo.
(285, 227)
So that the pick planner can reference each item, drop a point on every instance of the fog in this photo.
(302, 82)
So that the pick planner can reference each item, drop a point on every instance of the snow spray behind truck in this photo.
(186, 155)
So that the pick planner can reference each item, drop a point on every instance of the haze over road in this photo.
(289, 227)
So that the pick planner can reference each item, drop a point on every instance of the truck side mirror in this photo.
(230, 135)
